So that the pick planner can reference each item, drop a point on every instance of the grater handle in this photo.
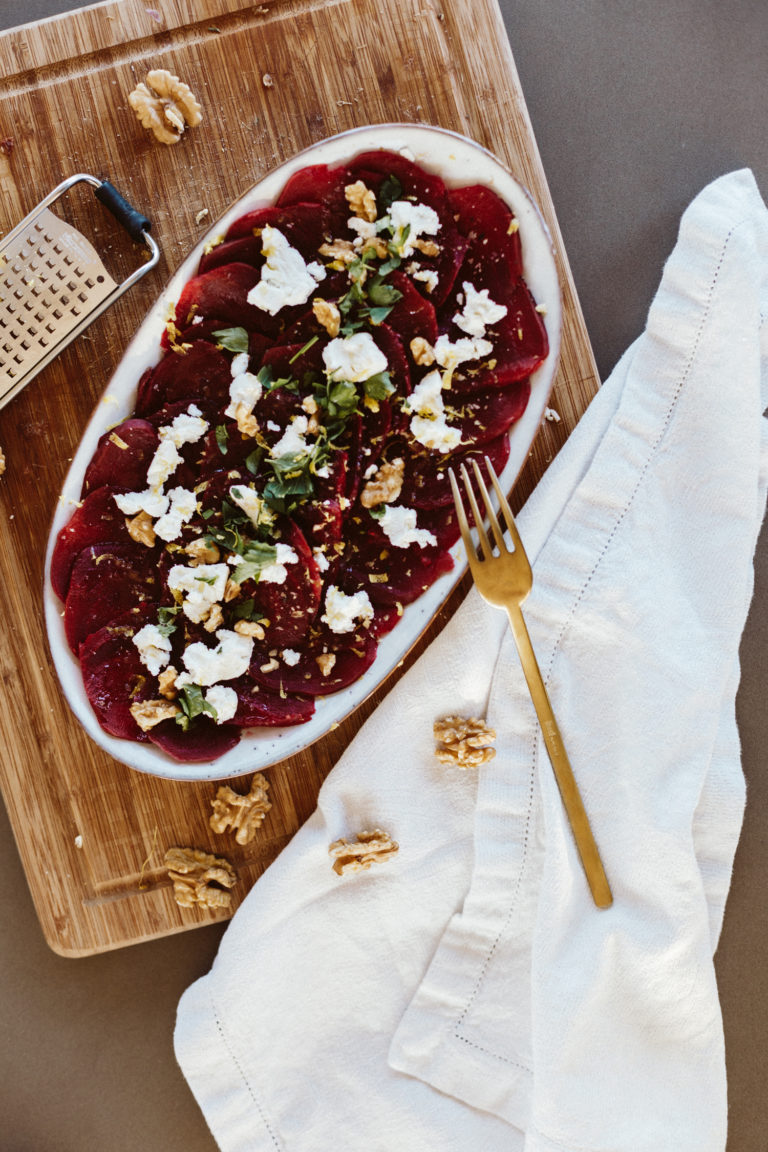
(135, 223)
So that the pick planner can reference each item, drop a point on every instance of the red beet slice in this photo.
(202, 372)
(259, 707)
(290, 607)
(426, 483)
(319, 183)
(412, 315)
(303, 225)
(98, 519)
(353, 655)
(390, 575)
(107, 580)
(113, 675)
(122, 457)
(203, 740)
(222, 294)
(489, 225)
(482, 416)
(519, 340)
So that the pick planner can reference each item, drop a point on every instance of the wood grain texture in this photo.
(91, 832)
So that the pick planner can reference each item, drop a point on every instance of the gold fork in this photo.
(504, 578)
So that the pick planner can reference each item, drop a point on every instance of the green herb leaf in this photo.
(253, 462)
(306, 348)
(390, 190)
(166, 622)
(232, 339)
(222, 436)
(379, 387)
(256, 556)
(379, 293)
(190, 700)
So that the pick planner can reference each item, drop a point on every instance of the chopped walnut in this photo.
(199, 878)
(201, 551)
(247, 423)
(361, 200)
(385, 486)
(2, 462)
(463, 742)
(231, 591)
(142, 529)
(249, 628)
(148, 713)
(328, 315)
(325, 662)
(422, 351)
(358, 855)
(214, 619)
(166, 683)
(165, 105)
(379, 246)
(242, 814)
(426, 247)
(341, 252)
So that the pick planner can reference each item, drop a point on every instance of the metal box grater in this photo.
(53, 283)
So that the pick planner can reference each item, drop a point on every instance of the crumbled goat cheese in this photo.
(450, 355)
(277, 573)
(239, 363)
(428, 276)
(292, 441)
(290, 657)
(183, 505)
(285, 277)
(418, 219)
(321, 559)
(479, 311)
(399, 524)
(257, 510)
(428, 423)
(353, 358)
(164, 463)
(223, 701)
(244, 394)
(154, 503)
(154, 648)
(207, 666)
(186, 428)
(202, 585)
(343, 611)
(364, 228)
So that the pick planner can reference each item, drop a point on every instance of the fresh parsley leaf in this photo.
(380, 293)
(379, 387)
(166, 622)
(222, 436)
(301, 351)
(256, 556)
(390, 190)
(253, 461)
(190, 700)
(232, 339)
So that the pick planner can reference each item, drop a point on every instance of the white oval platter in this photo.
(458, 161)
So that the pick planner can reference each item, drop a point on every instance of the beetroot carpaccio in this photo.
(281, 492)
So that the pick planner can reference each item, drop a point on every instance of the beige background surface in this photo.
(635, 107)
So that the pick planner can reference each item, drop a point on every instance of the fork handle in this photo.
(566, 782)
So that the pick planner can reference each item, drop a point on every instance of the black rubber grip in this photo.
(135, 223)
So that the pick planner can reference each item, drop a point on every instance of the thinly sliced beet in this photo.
(106, 581)
(483, 416)
(122, 457)
(96, 520)
(291, 606)
(390, 575)
(203, 740)
(487, 222)
(412, 315)
(318, 183)
(241, 250)
(352, 654)
(303, 225)
(113, 675)
(426, 483)
(222, 294)
(259, 707)
(203, 371)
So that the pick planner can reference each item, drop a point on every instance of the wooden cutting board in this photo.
(91, 832)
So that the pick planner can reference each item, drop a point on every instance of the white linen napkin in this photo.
(466, 994)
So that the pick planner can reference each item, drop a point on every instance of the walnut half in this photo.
(463, 742)
(243, 814)
(165, 105)
(199, 878)
(358, 855)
